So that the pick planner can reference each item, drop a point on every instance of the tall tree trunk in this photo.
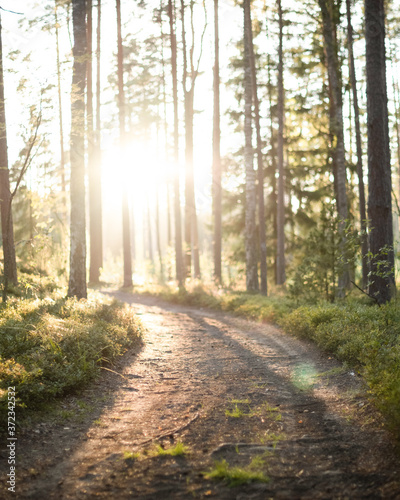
(61, 128)
(77, 278)
(149, 235)
(7, 227)
(94, 155)
(177, 203)
(191, 229)
(361, 189)
(94, 268)
(126, 236)
(382, 286)
(328, 11)
(216, 165)
(260, 170)
(250, 208)
(165, 122)
(274, 196)
(280, 257)
(160, 259)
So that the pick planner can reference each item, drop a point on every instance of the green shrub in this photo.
(49, 347)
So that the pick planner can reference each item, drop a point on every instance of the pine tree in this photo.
(330, 13)
(361, 190)
(382, 283)
(77, 278)
(280, 260)
(250, 208)
(95, 206)
(126, 236)
(260, 169)
(177, 205)
(216, 165)
(7, 227)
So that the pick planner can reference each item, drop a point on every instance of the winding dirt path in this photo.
(308, 422)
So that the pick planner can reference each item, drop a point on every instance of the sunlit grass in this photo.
(236, 476)
(52, 346)
(175, 451)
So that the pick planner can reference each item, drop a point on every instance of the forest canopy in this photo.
(253, 145)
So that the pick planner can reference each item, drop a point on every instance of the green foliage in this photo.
(322, 259)
(235, 476)
(366, 337)
(49, 347)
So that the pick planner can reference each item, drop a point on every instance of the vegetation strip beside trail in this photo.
(51, 346)
(362, 335)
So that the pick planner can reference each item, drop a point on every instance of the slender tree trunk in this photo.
(191, 229)
(327, 11)
(149, 235)
(160, 259)
(274, 196)
(186, 95)
(126, 236)
(280, 260)
(99, 193)
(7, 227)
(177, 204)
(62, 152)
(94, 154)
(94, 269)
(250, 208)
(216, 165)
(260, 170)
(77, 278)
(361, 189)
(165, 122)
(382, 286)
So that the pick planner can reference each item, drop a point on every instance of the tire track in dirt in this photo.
(194, 363)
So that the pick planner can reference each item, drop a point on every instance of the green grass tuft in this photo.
(235, 476)
(175, 451)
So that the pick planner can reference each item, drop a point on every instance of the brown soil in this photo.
(309, 421)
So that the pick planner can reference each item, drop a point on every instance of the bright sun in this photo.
(139, 168)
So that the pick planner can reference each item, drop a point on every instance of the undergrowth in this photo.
(356, 331)
(51, 346)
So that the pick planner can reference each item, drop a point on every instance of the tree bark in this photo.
(94, 269)
(94, 154)
(77, 278)
(7, 227)
(191, 229)
(177, 204)
(361, 189)
(165, 123)
(274, 196)
(61, 128)
(280, 258)
(216, 165)
(250, 208)
(327, 12)
(260, 170)
(126, 236)
(382, 286)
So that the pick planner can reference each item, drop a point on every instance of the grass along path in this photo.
(258, 414)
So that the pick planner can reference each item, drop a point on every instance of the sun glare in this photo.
(138, 168)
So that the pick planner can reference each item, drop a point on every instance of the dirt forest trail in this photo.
(307, 421)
